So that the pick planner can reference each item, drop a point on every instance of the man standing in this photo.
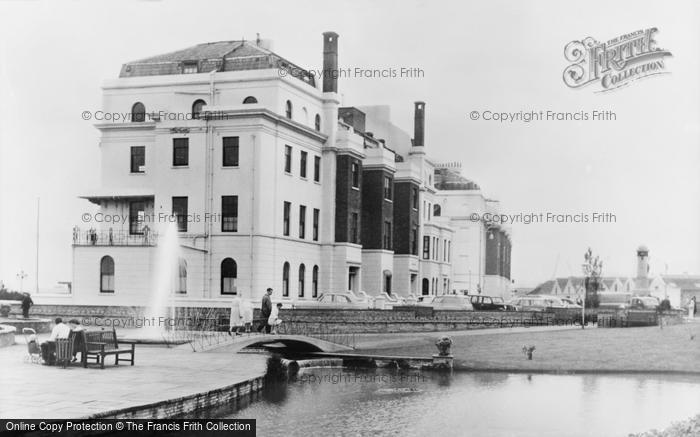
(265, 311)
(26, 303)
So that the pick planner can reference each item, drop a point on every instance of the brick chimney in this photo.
(419, 125)
(330, 62)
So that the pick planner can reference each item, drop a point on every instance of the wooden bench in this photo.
(99, 344)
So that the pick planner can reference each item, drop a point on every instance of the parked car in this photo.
(644, 303)
(570, 303)
(451, 302)
(537, 303)
(489, 303)
(614, 299)
(425, 300)
(333, 300)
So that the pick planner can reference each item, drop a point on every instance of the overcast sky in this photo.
(476, 55)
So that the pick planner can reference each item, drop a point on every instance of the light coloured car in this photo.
(569, 303)
(425, 300)
(452, 302)
(333, 300)
(537, 303)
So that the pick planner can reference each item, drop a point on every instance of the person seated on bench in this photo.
(48, 348)
(77, 330)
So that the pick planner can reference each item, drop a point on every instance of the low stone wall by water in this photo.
(235, 397)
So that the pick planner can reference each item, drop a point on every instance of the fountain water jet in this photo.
(161, 305)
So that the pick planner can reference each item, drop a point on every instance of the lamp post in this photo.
(21, 275)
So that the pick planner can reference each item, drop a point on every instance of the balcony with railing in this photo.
(93, 237)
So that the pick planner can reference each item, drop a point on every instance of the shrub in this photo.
(5, 294)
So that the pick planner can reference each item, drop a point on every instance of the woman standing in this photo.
(692, 307)
(236, 319)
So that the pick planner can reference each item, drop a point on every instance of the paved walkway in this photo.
(36, 391)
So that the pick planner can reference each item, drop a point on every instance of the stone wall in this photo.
(405, 319)
(233, 397)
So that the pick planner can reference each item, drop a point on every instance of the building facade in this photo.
(263, 180)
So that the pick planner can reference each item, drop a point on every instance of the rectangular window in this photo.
(230, 148)
(426, 247)
(302, 221)
(414, 241)
(317, 168)
(387, 235)
(415, 198)
(444, 250)
(355, 175)
(288, 159)
(449, 251)
(138, 159)
(387, 187)
(137, 216)
(354, 227)
(317, 213)
(181, 151)
(287, 212)
(302, 164)
(180, 213)
(229, 213)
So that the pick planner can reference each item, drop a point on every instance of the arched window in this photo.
(250, 99)
(107, 275)
(314, 282)
(285, 280)
(181, 276)
(138, 112)
(387, 282)
(288, 109)
(305, 115)
(437, 210)
(317, 122)
(197, 108)
(302, 279)
(425, 289)
(229, 273)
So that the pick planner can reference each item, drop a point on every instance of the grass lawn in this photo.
(651, 349)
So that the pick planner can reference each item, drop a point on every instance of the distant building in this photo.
(679, 289)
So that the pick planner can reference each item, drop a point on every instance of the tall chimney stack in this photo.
(330, 62)
(419, 125)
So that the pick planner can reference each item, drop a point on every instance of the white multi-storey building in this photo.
(268, 182)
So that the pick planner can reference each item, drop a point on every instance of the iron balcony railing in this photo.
(93, 237)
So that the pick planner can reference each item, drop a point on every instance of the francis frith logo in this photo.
(615, 63)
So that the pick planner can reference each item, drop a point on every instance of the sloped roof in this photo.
(215, 56)
(684, 282)
(562, 282)
(544, 288)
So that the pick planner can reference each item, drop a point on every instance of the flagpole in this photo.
(38, 205)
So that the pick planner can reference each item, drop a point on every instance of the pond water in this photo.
(336, 401)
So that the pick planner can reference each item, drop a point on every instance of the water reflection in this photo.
(393, 402)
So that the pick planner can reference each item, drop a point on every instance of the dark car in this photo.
(488, 303)
(644, 303)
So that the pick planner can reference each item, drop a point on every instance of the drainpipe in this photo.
(209, 187)
(252, 213)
